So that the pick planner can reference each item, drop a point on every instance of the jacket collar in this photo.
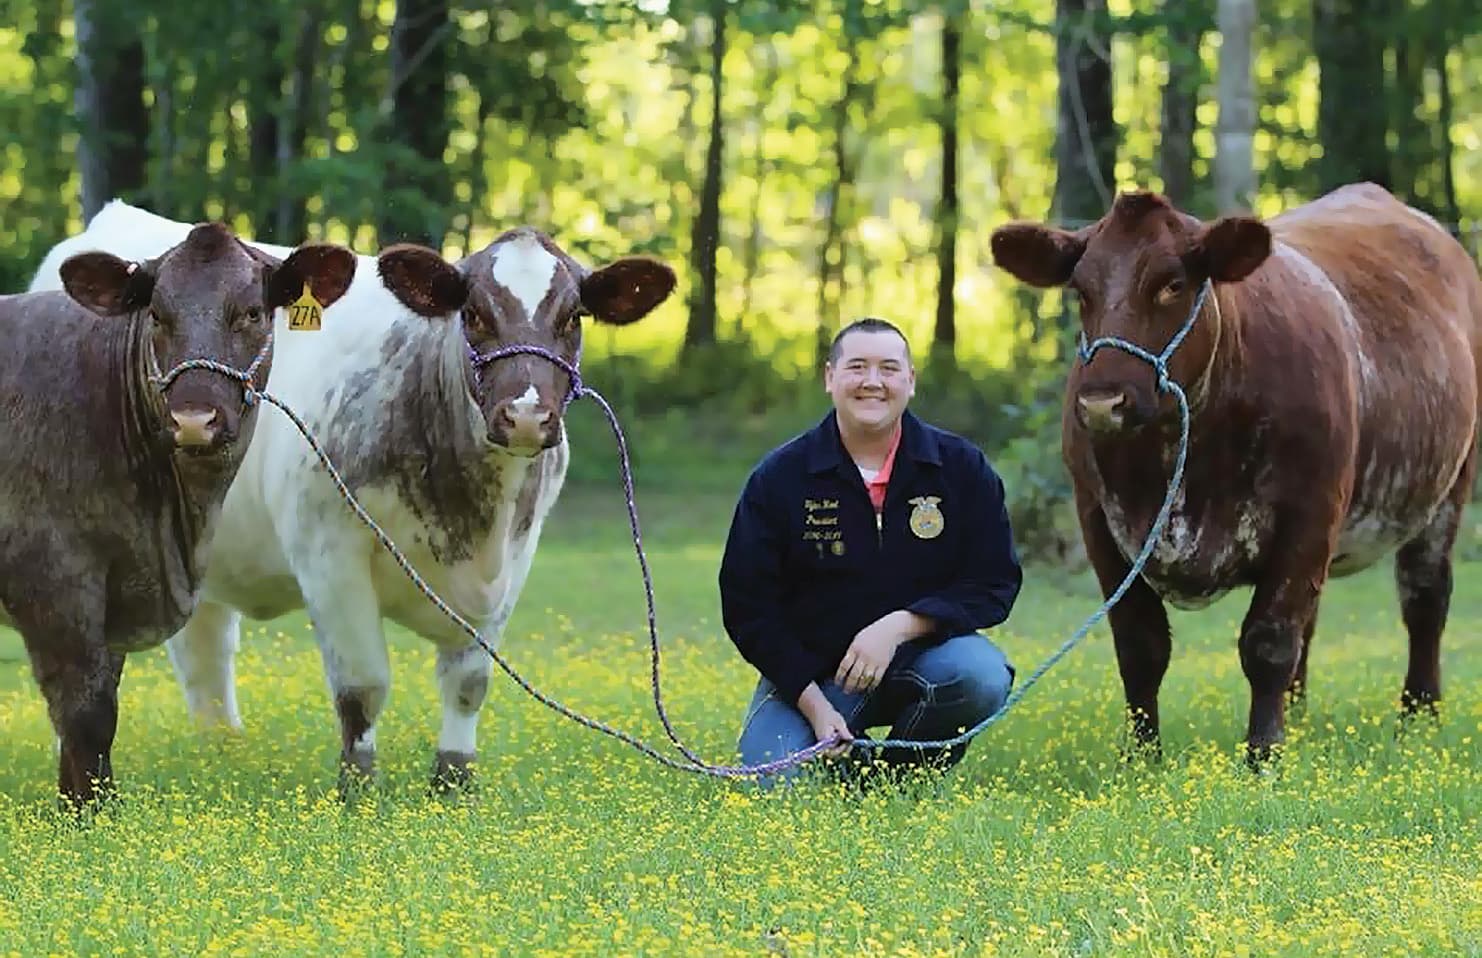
(826, 448)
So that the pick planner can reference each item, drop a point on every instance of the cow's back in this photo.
(1401, 272)
(1413, 311)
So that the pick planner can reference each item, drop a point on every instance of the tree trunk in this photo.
(46, 161)
(700, 330)
(1444, 115)
(164, 198)
(265, 101)
(476, 179)
(1086, 137)
(1416, 162)
(830, 253)
(752, 252)
(1235, 130)
(1180, 102)
(1348, 38)
(944, 334)
(109, 99)
(293, 126)
(417, 185)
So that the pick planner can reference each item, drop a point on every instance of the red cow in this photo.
(1333, 385)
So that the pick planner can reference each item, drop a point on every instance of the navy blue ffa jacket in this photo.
(806, 564)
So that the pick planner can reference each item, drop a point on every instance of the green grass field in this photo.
(1042, 842)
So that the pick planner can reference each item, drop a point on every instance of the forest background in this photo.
(801, 164)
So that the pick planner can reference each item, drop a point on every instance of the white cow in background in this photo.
(459, 466)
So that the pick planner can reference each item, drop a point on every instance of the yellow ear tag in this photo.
(305, 313)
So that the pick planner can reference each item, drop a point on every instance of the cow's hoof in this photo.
(86, 804)
(1419, 702)
(1139, 749)
(1417, 713)
(452, 773)
(1263, 758)
(357, 777)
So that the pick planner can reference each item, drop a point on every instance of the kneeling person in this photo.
(862, 558)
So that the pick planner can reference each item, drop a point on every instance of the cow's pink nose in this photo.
(195, 426)
(524, 426)
(1102, 410)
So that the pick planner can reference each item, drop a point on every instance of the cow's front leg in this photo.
(1139, 626)
(462, 682)
(1272, 637)
(64, 635)
(347, 625)
(79, 680)
(204, 653)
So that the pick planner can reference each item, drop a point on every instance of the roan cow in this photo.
(1333, 382)
(110, 486)
(459, 462)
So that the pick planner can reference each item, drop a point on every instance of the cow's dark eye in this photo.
(1170, 292)
(472, 320)
(253, 315)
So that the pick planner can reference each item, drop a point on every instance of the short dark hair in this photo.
(869, 324)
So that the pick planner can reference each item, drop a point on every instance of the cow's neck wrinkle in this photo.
(178, 505)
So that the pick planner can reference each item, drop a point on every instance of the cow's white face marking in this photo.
(525, 268)
(527, 400)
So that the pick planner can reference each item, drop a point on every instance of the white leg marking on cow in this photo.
(525, 268)
(462, 683)
(203, 653)
(366, 741)
(343, 606)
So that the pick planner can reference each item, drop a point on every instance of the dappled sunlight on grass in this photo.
(1043, 842)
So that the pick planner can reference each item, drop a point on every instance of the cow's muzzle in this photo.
(196, 428)
(1104, 410)
(523, 429)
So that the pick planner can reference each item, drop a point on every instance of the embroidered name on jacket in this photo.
(821, 525)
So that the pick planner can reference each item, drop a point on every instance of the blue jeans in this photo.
(928, 693)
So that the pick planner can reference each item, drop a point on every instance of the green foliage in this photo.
(589, 119)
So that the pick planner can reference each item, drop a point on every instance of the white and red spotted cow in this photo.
(460, 467)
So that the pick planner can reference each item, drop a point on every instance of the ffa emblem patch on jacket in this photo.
(926, 519)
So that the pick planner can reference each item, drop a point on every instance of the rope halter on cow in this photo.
(575, 389)
(1160, 361)
(248, 378)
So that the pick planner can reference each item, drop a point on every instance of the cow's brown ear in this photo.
(106, 284)
(422, 280)
(626, 290)
(325, 268)
(1039, 255)
(1231, 248)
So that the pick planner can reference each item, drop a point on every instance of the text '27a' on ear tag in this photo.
(305, 313)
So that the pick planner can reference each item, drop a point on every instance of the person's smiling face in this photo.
(870, 381)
